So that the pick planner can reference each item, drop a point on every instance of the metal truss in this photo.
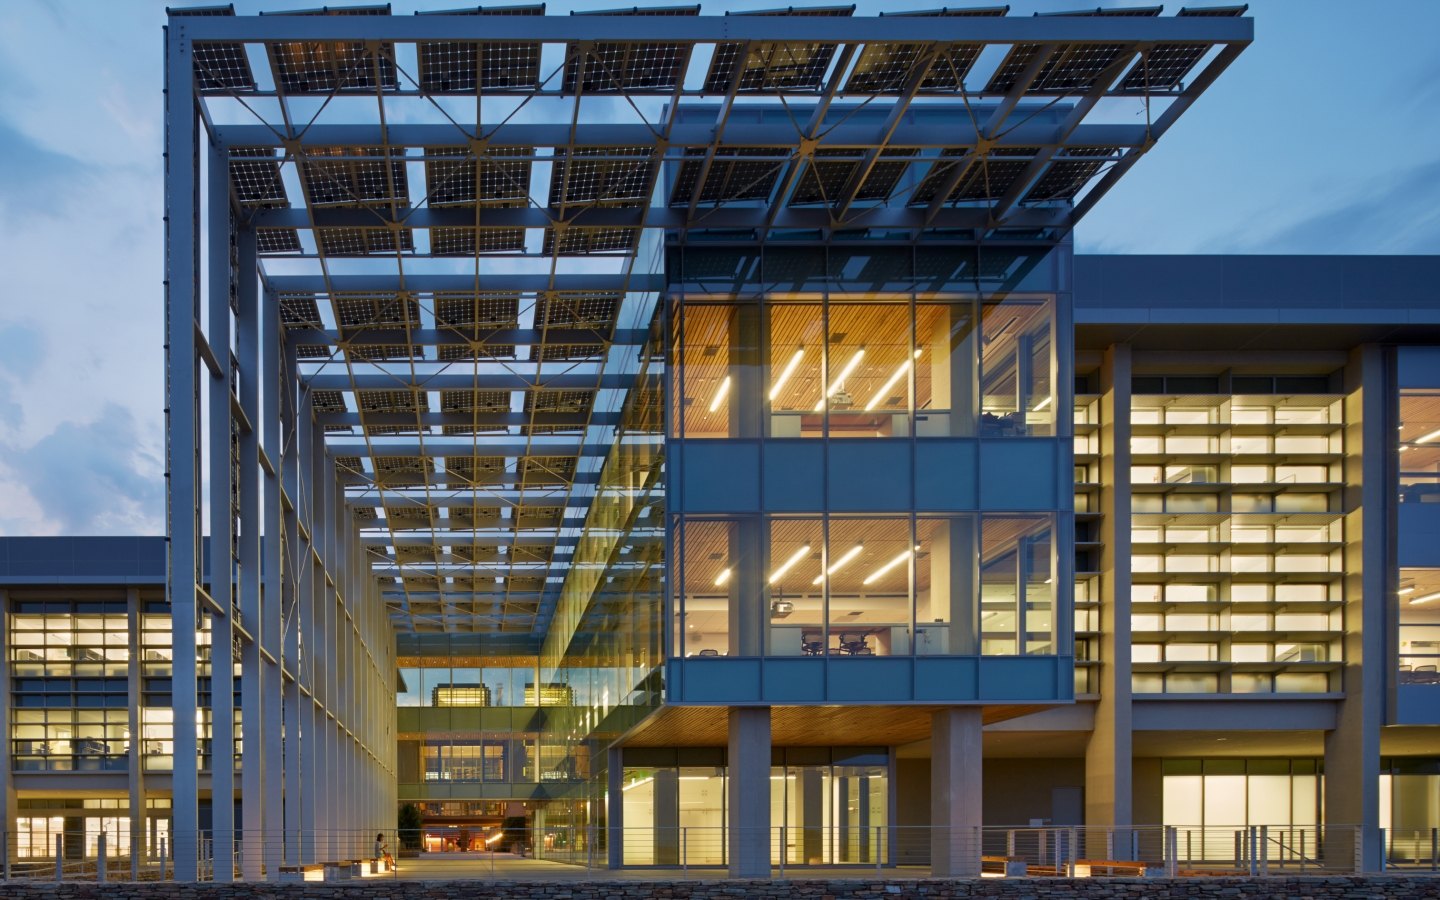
(433, 246)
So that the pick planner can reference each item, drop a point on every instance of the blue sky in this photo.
(1324, 138)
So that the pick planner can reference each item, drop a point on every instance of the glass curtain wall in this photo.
(866, 585)
(1419, 647)
(843, 365)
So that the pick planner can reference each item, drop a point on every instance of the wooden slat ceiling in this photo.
(802, 726)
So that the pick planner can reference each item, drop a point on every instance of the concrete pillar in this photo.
(953, 555)
(749, 617)
(1108, 777)
(667, 817)
(747, 788)
(956, 779)
(182, 464)
(810, 843)
(135, 758)
(271, 815)
(8, 805)
(1352, 749)
(952, 369)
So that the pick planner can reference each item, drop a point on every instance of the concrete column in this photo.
(270, 817)
(952, 368)
(295, 565)
(134, 762)
(749, 617)
(615, 812)
(666, 826)
(745, 371)
(747, 788)
(1108, 777)
(222, 526)
(1352, 749)
(182, 464)
(953, 556)
(7, 765)
(956, 780)
(811, 840)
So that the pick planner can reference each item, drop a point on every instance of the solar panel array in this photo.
(464, 422)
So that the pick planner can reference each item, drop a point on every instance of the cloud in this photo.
(1400, 214)
(21, 349)
(94, 477)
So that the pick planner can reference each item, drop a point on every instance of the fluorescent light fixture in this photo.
(1406, 590)
(786, 372)
(723, 577)
(789, 564)
(720, 394)
(840, 379)
(835, 566)
(1042, 404)
(885, 388)
(880, 572)
(1427, 438)
(1426, 599)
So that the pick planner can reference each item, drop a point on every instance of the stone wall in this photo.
(1328, 888)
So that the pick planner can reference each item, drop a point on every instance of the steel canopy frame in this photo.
(346, 459)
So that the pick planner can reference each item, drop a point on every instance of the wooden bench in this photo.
(299, 873)
(1008, 866)
(1085, 868)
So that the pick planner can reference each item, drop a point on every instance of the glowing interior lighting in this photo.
(840, 379)
(723, 577)
(786, 372)
(1042, 404)
(885, 388)
(720, 394)
(835, 566)
(880, 572)
(1423, 439)
(1426, 599)
(788, 564)
(1405, 590)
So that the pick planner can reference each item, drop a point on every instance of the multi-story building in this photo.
(671, 429)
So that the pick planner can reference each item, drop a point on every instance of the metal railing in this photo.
(567, 852)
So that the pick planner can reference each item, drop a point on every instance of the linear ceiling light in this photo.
(880, 572)
(1427, 438)
(720, 394)
(788, 564)
(723, 577)
(835, 567)
(786, 372)
(840, 379)
(1042, 404)
(1426, 599)
(894, 379)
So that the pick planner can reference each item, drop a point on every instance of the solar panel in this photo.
(472, 241)
(627, 66)
(300, 311)
(378, 352)
(595, 310)
(367, 310)
(547, 469)
(477, 310)
(612, 176)
(455, 67)
(774, 65)
(1164, 67)
(401, 518)
(348, 176)
(474, 469)
(1066, 175)
(1070, 68)
(326, 402)
(392, 401)
(475, 401)
(993, 175)
(271, 241)
(220, 66)
(362, 241)
(941, 169)
(306, 67)
(826, 176)
(731, 177)
(255, 177)
(885, 68)
(557, 401)
(578, 241)
(394, 470)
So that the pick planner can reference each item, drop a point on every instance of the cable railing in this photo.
(544, 852)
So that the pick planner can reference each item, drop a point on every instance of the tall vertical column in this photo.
(295, 563)
(182, 403)
(222, 525)
(272, 611)
(953, 361)
(747, 788)
(956, 782)
(135, 759)
(748, 615)
(1352, 748)
(615, 807)
(312, 589)
(953, 555)
(8, 805)
(253, 764)
(1108, 777)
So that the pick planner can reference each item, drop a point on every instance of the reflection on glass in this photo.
(1419, 445)
(1015, 383)
(945, 369)
(1016, 585)
(1419, 647)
